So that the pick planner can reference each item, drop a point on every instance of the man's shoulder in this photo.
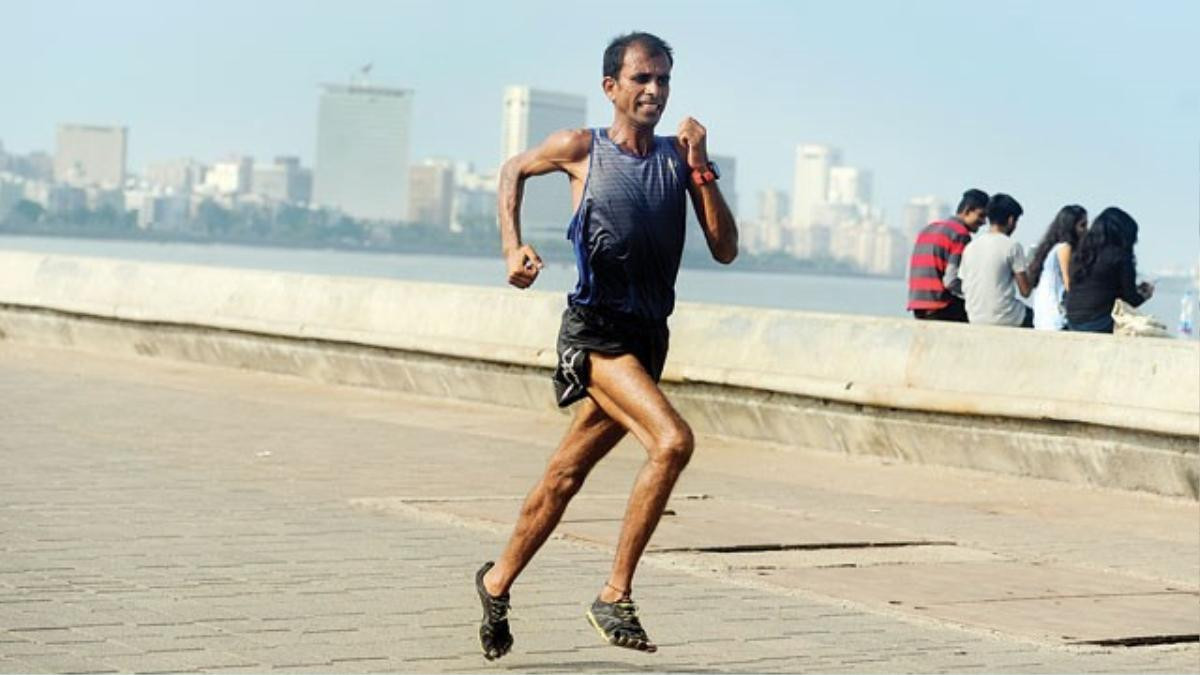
(570, 144)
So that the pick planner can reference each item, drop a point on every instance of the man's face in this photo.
(640, 90)
(974, 218)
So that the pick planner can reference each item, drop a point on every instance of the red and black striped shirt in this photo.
(938, 248)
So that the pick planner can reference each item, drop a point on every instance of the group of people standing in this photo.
(1075, 275)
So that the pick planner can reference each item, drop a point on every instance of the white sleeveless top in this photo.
(1048, 296)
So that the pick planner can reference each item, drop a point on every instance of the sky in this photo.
(1053, 102)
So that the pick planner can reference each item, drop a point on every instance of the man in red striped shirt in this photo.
(934, 289)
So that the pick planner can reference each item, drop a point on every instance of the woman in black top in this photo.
(1102, 270)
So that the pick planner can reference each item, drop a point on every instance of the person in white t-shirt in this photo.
(993, 269)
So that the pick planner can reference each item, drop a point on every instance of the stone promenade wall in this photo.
(1116, 412)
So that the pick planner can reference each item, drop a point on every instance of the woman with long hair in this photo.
(1049, 267)
(1103, 269)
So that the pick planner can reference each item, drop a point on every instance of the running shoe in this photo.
(494, 636)
(617, 623)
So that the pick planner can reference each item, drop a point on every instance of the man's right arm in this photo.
(561, 151)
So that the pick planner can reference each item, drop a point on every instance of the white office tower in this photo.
(810, 188)
(849, 186)
(91, 155)
(362, 151)
(920, 211)
(529, 116)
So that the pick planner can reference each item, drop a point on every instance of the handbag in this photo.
(1129, 321)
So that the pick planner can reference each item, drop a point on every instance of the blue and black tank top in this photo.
(628, 230)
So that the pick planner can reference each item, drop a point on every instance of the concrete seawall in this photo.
(1107, 411)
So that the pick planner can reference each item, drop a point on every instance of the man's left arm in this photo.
(720, 229)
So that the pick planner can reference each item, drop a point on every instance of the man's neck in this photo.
(998, 229)
(632, 138)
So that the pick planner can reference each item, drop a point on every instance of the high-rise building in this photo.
(91, 155)
(849, 185)
(529, 116)
(284, 180)
(431, 193)
(362, 150)
(811, 182)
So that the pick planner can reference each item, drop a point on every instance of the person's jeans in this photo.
(1101, 324)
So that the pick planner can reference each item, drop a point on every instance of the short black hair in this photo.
(972, 199)
(1001, 208)
(614, 55)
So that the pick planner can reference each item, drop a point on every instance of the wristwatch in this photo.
(706, 175)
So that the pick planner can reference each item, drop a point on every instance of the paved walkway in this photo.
(160, 516)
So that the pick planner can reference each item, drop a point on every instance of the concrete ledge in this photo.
(1141, 384)
(1073, 452)
(1108, 411)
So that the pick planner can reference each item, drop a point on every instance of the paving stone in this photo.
(167, 536)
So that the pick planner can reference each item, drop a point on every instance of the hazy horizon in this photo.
(1056, 103)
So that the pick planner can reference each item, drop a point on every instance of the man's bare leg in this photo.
(625, 391)
(591, 436)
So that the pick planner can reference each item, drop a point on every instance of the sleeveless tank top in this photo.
(628, 230)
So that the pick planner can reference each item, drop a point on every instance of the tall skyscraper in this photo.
(811, 183)
(362, 150)
(529, 116)
(91, 155)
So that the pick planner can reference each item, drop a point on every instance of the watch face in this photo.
(712, 166)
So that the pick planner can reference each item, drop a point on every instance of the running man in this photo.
(628, 187)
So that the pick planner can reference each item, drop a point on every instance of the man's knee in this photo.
(674, 447)
(564, 480)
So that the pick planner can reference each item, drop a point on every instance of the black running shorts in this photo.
(595, 329)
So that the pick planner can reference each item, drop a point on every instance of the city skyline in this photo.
(1053, 117)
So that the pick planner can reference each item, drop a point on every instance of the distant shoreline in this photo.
(471, 248)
